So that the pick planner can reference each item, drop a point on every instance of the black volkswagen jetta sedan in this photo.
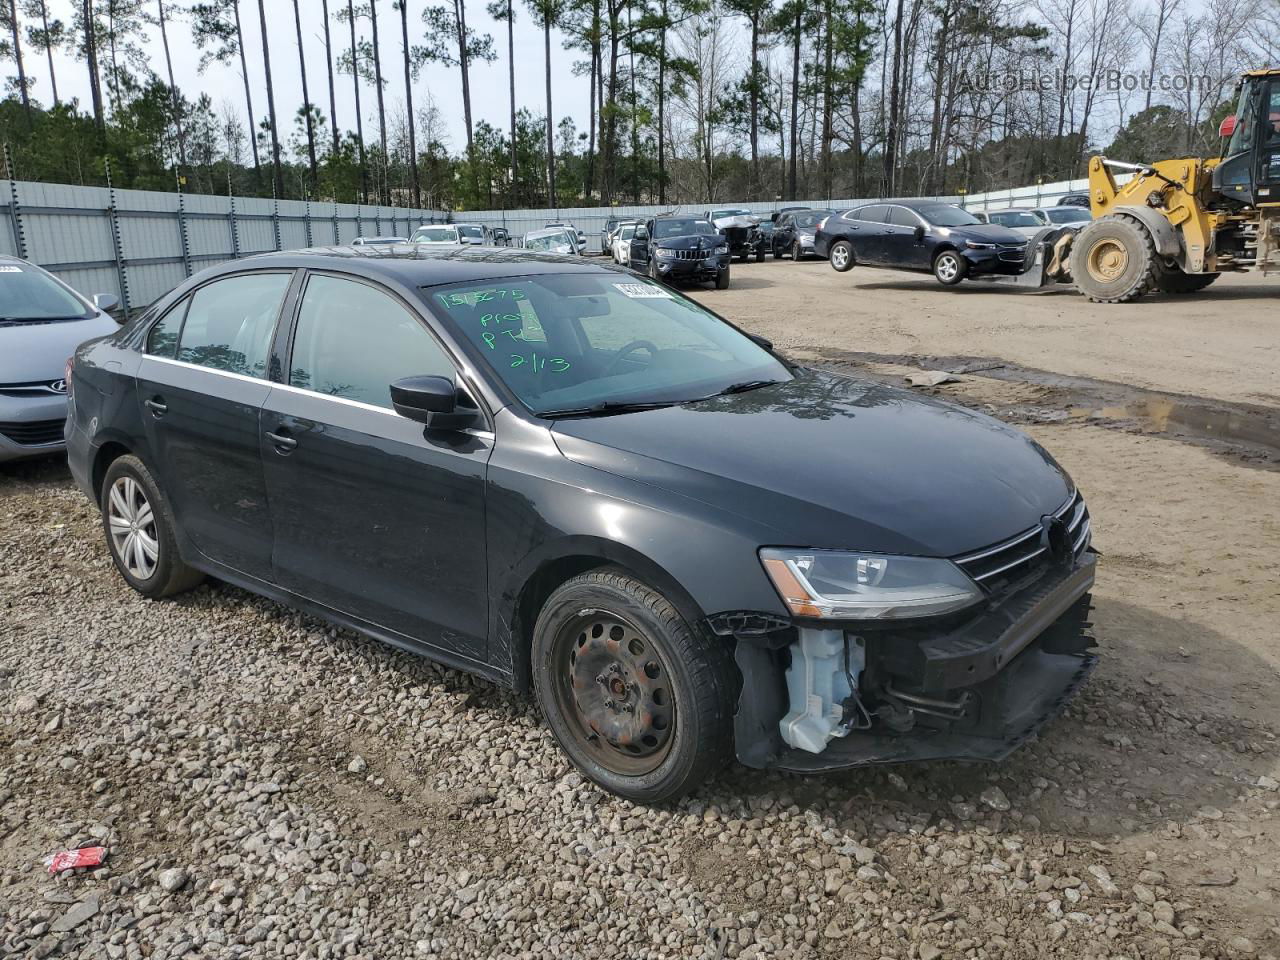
(920, 235)
(566, 478)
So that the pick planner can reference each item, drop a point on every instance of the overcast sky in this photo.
(489, 82)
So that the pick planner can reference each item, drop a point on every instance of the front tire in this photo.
(722, 279)
(640, 701)
(842, 256)
(949, 268)
(1113, 260)
(139, 528)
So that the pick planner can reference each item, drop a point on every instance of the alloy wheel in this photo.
(615, 691)
(839, 257)
(948, 267)
(132, 523)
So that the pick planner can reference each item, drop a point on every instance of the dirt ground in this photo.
(269, 786)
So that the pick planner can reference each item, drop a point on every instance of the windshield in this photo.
(944, 215)
(472, 232)
(554, 242)
(1012, 218)
(435, 235)
(1067, 215)
(683, 228)
(568, 341)
(29, 294)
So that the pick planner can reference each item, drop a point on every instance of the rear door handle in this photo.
(157, 406)
(283, 442)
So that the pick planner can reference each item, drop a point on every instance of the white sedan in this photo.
(622, 243)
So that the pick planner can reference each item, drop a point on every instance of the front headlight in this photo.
(665, 254)
(837, 585)
(972, 245)
(722, 249)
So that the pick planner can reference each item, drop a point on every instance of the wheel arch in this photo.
(557, 563)
(1164, 235)
(107, 453)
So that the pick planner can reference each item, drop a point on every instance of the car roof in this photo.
(427, 226)
(1012, 210)
(466, 223)
(418, 266)
(545, 232)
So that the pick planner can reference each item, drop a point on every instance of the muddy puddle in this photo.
(1249, 432)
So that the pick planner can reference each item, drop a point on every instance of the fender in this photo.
(1165, 236)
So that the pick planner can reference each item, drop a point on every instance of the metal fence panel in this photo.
(138, 244)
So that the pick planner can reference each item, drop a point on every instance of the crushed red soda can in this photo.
(70, 859)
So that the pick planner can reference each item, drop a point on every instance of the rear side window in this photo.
(354, 341)
(229, 323)
(162, 341)
(873, 214)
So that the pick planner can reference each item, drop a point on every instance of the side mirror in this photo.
(430, 400)
(761, 341)
(1228, 126)
(919, 232)
(106, 302)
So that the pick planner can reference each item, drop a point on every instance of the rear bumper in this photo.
(974, 691)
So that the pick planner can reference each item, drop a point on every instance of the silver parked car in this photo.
(474, 233)
(1063, 216)
(1017, 219)
(42, 321)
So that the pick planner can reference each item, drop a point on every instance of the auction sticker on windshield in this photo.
(642, 291)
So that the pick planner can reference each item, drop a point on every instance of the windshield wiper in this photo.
(607, 408)
(743, 387)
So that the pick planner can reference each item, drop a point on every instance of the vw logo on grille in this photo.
(1054, 537)
(58, 386)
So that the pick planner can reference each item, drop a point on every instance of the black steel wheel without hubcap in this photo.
(613, 688)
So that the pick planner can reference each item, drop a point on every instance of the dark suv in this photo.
(687, 249)
(561, 476)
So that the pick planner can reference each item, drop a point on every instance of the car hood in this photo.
(987, 233)
(32, 352)
(691, 242)
(829, 461)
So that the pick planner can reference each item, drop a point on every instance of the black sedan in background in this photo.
(685, 249)
(563, 477)
(920, 235)
(793, 233)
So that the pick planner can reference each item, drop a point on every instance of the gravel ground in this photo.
(268, 786)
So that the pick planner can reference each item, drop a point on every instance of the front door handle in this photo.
(283, 442)
(157, 406)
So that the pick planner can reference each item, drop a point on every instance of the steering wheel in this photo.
(626, 351)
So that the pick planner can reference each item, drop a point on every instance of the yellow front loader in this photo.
(1177, 225)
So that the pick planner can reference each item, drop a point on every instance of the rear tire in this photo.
(795, 252)
(842, 256)
(949, 268)
(640, 701)
(760, 254)
(1173, 281)
(140, 531)
(1113, 260)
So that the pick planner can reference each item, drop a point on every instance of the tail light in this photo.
(821, 223)
(66, 372)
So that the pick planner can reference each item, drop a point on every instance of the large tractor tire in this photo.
(1173, 280)
(1113, 260)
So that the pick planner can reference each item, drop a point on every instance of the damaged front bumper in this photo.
(972, 690)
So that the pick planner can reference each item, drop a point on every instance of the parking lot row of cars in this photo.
(927, 235)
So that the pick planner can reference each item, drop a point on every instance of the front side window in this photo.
(28, 293)
(568, 341)
(229, 323)
(354, 341)
(902, 217)
(472, 232)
